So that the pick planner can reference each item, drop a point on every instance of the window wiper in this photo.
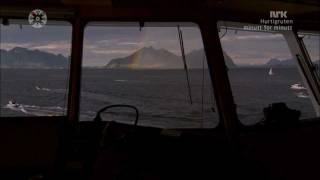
(184, 62)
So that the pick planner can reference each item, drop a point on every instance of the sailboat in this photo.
(271, 72)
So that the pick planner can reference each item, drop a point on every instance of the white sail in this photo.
(270, 72)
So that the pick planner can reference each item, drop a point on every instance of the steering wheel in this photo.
(99, 119)
(111, 126)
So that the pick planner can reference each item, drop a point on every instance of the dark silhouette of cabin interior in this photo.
(63, 148)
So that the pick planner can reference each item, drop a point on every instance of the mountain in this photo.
(147, 58)
(274, 62)
(25, 58)
(150, 58)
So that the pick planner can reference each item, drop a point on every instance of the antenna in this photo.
(224, 33)
(5, 22)
(184, 62)
(141, 25)
(202, 90)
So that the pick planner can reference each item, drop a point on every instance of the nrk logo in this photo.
(278, 21)
(278, 14)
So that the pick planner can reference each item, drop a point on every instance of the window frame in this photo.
(286, 34)
(87, 22)
(20, 16)
(305, 50)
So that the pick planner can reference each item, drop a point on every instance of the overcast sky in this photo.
(103, 43)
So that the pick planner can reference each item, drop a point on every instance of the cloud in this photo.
(141, 43)
(261, 37)
(55, 47)
(104, 42)
(130, 43)
(61, 45)
(8, 46)
(254, 47)
(245, 36)
(108, 52)
(240, 56)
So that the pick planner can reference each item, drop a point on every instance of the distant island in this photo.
(144, 58)
(19, 57)
(151, 58)
(284, 63)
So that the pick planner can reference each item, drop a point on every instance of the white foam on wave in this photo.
(17, 107)
(24, 111)
(42, 89)
(120, 80)
(302, 95)
(36, 110)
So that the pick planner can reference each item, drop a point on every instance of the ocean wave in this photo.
(120, 80)
(36, 110)
(42, 89)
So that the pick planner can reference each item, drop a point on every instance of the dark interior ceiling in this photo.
(239, 4)
(294, 6)
(302, 11)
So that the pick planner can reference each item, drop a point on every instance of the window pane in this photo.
(312, 44)
(264, 72)
(124, 64)
(34, 69)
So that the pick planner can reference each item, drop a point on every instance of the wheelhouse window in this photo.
(34, 68)
(311, 42)
(159, 68)
(263, 73)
